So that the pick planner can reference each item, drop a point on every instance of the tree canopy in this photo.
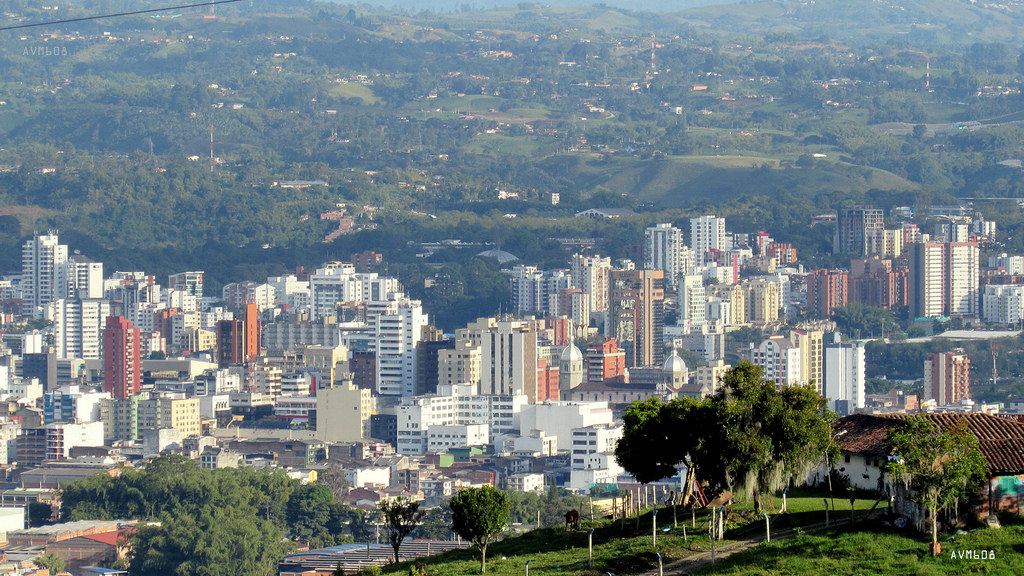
(751, 436)
(236, 521)
(479, 515)
(401, 516)
(937, 466)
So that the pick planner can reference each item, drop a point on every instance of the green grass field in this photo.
(354, 90)
(875, 551)
(626, 547)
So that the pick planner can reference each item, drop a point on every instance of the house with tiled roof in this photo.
(864, 449)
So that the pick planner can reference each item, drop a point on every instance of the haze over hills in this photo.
(721, 106)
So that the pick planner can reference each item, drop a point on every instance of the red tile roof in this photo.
(1001, 440)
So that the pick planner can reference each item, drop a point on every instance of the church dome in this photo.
(674, 364)
(571, 354)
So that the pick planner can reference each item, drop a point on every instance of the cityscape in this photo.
(300, 288)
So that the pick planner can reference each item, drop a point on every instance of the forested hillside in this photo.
(428, 126)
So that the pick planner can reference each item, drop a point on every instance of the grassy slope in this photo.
(623, 549)
(878, 552)
(677, 181)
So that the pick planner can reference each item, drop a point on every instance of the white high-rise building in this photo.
(42, 259)
(944, 279)
(80, 277)
(338, 282)
(708, 233)
(78, 327)
(963, 262)
(397, 326)
(780, 358)
(692, 302)
(591, 274)
(844, 376)
(290, 291)
(664, 250)
(534, 290)
(508, 359)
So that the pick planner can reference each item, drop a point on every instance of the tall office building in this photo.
(944, 279)
(636, 315)
(856, 230)
(122, 358)
(664, 250)
(42, 259)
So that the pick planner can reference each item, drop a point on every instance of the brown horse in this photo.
(572, 520)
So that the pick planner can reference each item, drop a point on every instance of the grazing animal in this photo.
(572, 520)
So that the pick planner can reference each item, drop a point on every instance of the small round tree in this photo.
(479, 515)
(401, 516)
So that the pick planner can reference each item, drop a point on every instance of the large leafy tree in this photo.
(766, 437)
(658, 436)
(479, 515)
(937, 465)
(401, 516)
(751, 436)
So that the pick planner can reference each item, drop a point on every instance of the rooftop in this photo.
(1000, 439)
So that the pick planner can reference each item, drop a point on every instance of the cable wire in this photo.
(118, 14)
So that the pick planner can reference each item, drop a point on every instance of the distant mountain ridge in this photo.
(463, 5)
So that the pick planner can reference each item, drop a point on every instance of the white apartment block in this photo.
(1003, 304)
(963, 279)
(80, 277)
(238, 294)
(445, 437)
(338, 282)
(664, 250)
(77, 327)
(559, 419)
(397, 326)
(599, 438)
(534, 290)
(692, 302)
(708, 233)
(525, 482)
(290, 291)
(780, 359)
(844, 376)
(454, 405)
(1010, 265)
(41, 260)
(592, 275)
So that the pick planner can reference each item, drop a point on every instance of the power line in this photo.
(118, 14)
